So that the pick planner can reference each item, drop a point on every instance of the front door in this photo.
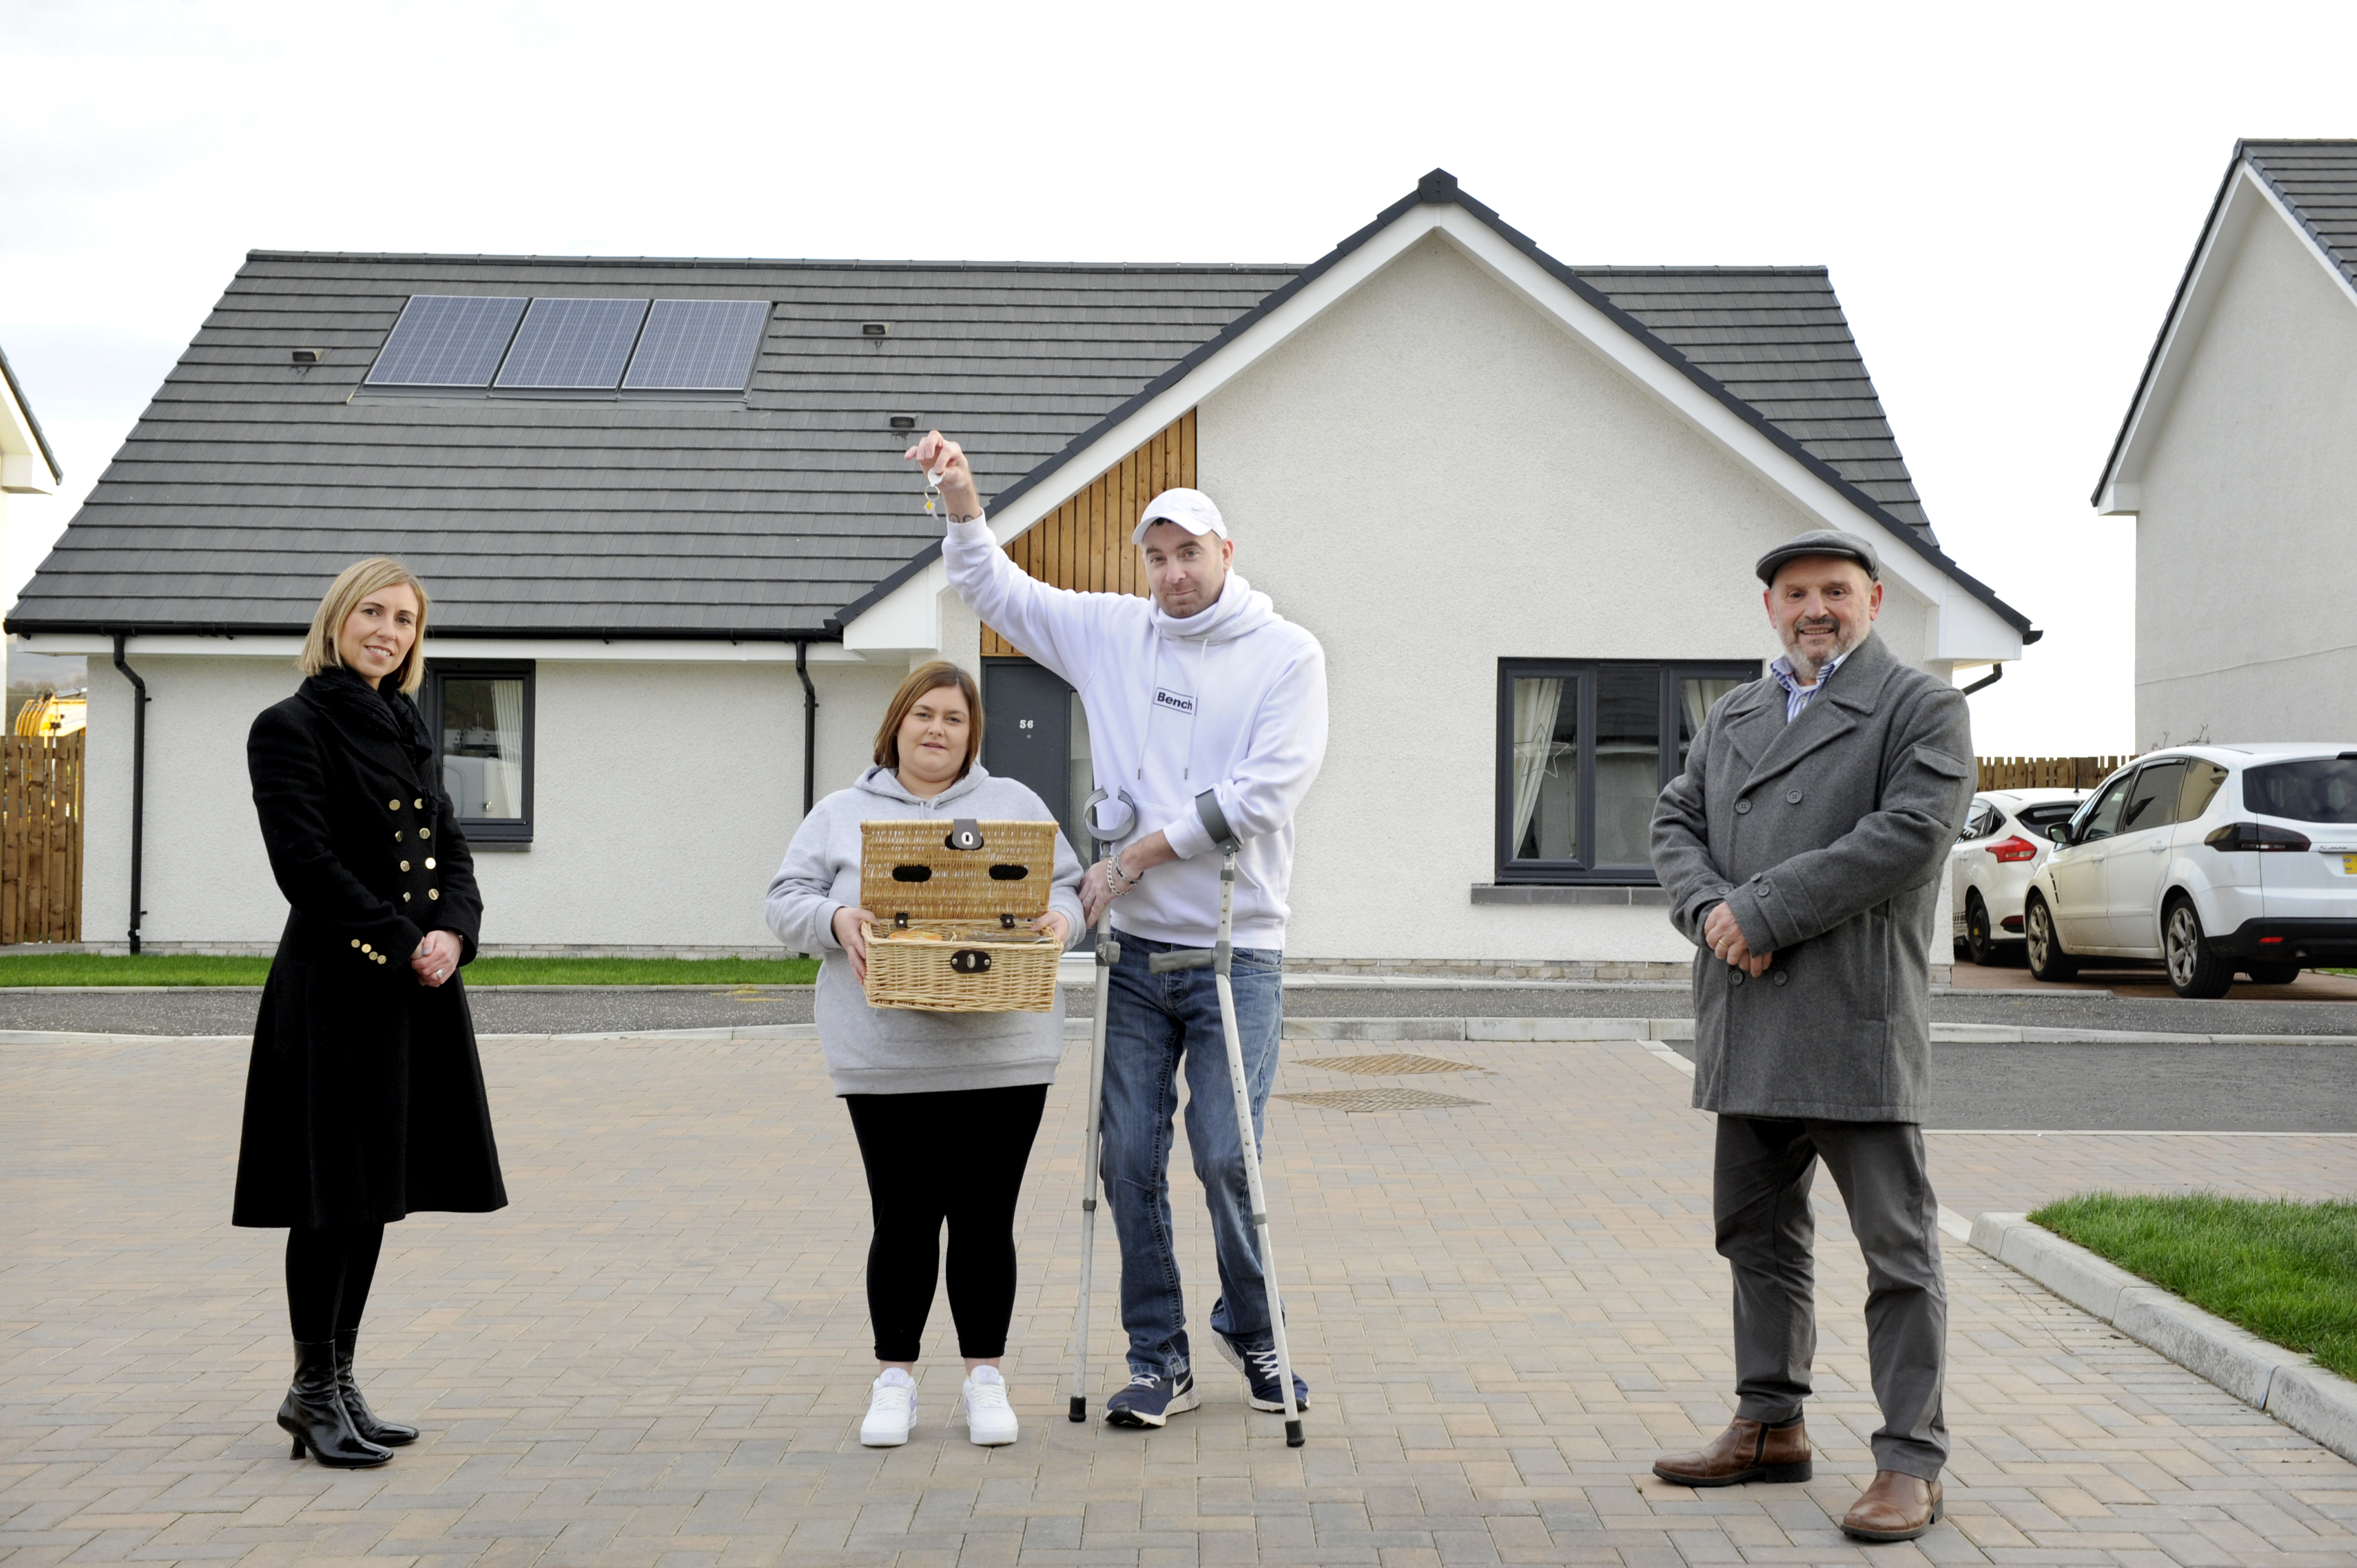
(1033, 730)
(2082, 902)
(2140, 858)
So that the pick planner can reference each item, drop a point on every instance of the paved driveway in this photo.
(658, 1355)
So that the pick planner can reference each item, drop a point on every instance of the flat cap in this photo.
(1821, 541)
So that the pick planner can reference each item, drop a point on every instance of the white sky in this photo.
(2006, 194)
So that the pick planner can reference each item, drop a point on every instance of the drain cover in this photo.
(1381, 1100)
(1391, 1064)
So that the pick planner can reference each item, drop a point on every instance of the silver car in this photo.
(2005, 841)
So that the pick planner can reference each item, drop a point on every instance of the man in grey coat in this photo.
(1802, 848)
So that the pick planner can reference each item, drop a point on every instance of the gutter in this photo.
(810, 727)
(138, 778)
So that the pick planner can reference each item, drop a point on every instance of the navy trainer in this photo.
(1258, 1364)
(1152, 1401)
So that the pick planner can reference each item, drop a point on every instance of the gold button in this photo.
(433, 892)
(355, 942)
(396, 835)
(425, 832)
(429, 863)
(404, 898)
(404, 866)
(419, 802)
(392, 805)
(365, 948)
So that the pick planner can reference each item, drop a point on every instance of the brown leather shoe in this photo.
(1896, 1507)
(1746, 1450)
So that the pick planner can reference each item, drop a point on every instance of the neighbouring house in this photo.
(679, 565)
(2237, 459)
(27, 467)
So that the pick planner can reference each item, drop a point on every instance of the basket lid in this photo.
(937, 869)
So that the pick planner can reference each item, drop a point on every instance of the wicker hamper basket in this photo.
(953, 933)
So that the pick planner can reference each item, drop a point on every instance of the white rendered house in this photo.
(2238, 457)
(662, 608)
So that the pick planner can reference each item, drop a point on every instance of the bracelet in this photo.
(1118, 879)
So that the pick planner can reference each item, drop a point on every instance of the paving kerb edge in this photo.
(2313, 1400)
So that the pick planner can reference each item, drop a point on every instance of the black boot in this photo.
(386, 1434)
(314, 1413)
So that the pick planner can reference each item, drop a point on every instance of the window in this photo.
(2201, 782)
(2322, 789)
(481, 714)
(2103, 817)
(2040, 819)
(2153, 802)
(1584, 747)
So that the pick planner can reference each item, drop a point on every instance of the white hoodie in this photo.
(1231, 700)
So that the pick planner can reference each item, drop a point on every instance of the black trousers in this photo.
(955, 1156)
(1767, 1232)
(328, 1272)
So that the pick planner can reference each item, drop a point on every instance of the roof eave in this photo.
(1437, 187)
(133, 627)
(32, 424)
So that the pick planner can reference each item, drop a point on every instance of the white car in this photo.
(2217, 860)
(2004, 843)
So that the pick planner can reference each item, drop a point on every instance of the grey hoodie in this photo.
(890, 1051)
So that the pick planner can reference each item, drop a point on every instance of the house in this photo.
(27, 467)
(2237, 458)
(1518, 501)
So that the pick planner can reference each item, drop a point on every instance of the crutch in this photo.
(1108, 953)
(1218, 961)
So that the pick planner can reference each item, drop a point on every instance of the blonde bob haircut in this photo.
(356, 583)
(927, 678)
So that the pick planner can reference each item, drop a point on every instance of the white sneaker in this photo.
(891, 1409)
(989, 1420)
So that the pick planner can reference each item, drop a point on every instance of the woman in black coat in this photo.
(364, 1100)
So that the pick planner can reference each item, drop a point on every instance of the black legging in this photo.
(955, 1155)
(328, 1272)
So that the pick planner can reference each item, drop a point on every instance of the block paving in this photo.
(659, 1354)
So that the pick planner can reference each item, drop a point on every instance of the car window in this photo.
(2201, 781)
(2104, 819)
(2317, 789)
(2153, 802)
(1982, 822)
(2039, 820)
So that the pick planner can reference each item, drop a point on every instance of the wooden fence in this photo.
(41, 838)
(2047, 772)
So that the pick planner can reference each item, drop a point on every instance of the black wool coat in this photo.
(364, 1098)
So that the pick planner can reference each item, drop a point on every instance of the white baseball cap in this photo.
(1191, 509)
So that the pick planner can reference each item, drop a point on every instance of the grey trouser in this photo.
(1766, 1231)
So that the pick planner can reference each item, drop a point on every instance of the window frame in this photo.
(1582, 673)
(487, 832)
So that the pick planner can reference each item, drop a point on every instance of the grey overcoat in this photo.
(1825, 839)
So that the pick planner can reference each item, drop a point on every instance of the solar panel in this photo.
(698, 345)
(574, 343)
(447, 341)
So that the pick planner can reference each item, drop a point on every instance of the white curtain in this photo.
(1535, 705)
(507, 792)
(1695, 698)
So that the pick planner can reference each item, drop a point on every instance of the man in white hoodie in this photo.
(1208, 710)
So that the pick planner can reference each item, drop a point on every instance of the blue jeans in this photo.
(1158, 1026)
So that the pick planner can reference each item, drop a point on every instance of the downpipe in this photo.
(810, 727)
(138, 778)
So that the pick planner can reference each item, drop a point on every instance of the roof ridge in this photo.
(843, 263)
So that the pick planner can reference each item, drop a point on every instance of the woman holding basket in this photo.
(945, 1105)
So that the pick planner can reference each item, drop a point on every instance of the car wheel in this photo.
(2272, 974)
(2195, 971)
(2047, 958)
(1978, 939)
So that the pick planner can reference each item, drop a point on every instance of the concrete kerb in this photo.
(2310, 1400)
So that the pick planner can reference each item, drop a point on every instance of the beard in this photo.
(1844, 638)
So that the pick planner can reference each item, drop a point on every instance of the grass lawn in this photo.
(105, 969)
(2286, 1272)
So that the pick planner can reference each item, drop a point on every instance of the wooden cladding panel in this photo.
(1084, 544)
(40, 837)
